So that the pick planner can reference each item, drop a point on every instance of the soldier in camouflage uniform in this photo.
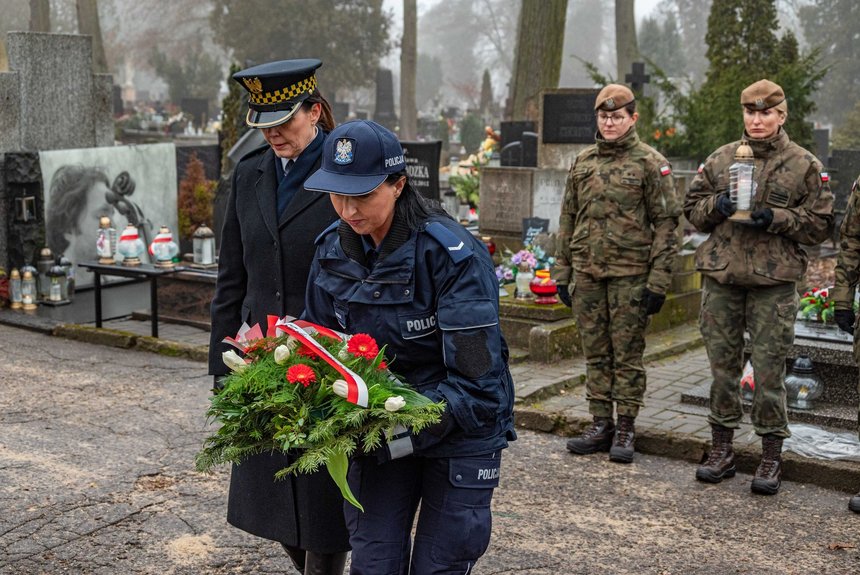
(847, 278)
(750, 272)
(616, 247)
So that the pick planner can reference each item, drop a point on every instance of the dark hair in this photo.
(69, 189)
(326, 120)
(412, 208)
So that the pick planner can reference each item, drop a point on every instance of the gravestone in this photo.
(340, 111)
(55, 101)
(422, 165)
(505, 200)
(198, 109)
(50, 100)
(118, 104)
(384, 112)
(568, 125)
(532, 227)
(821, 144)
(845, 167)
(519, 144)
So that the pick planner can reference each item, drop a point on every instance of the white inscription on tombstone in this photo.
(548, 195)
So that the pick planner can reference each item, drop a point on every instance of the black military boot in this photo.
(324, 563)
(767, 476)
(854, 503)
(720, 463)
(622, 445)
(598, 437)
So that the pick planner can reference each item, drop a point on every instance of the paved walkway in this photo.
(551, 397)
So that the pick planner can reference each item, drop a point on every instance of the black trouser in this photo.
(312, 563)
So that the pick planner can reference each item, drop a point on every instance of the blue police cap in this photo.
(276, 90)
(357, 157)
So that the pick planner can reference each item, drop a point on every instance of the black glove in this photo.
(652, 301)
(725, 205)
(845, 320)
(564, 295)
(762, 218)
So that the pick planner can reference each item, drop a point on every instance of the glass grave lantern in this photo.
(741, 183)
(130, 246)
(58, 293)
(44, 265)
(544, 288)
(204, 247)
(106, 241)
(29, 293)
(69, 268)
(802, 387)
(15, 296)
(523, 281)
(163, 248)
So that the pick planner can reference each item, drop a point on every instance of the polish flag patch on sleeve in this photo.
(825, 177)
(665, 170)
(701, 168)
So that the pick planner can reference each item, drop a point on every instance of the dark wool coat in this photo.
(263, 268)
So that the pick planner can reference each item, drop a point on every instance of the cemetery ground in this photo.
(96, 477)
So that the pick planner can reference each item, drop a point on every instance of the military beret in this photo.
(762, 95)
(612, 97)
(276, 90)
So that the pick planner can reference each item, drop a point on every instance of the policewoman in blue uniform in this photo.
(267, 245)
(419, 283)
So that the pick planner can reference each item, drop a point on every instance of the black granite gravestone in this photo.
(568, 118)
(821, 144)
(519, 144)
(384, 113)
(532, 227)
(198, 109)
(422, 165)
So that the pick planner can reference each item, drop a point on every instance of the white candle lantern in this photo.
(741, 182)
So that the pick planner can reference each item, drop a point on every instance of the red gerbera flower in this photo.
(362, 345)
(382, 365)
(301, 373)
(306, 351)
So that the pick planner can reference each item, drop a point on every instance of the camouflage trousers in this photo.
(611, 320)
(857, 362)
(768, 315)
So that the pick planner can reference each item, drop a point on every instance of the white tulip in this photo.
(395, 403)
(340, 388)
(343, 355)
(234, 361)
(282, 354)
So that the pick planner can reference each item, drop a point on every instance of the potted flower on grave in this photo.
(815, 305)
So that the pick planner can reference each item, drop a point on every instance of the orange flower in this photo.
(670, 133)
(362, 345)
(301, 373)
(657, 134)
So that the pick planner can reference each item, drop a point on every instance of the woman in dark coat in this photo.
(267, 245)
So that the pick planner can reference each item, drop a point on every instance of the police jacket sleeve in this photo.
(562, 271)
(226, 307)
(700, 203)
(848, 260)
(663, 212)
(473, 351)
(810, 221)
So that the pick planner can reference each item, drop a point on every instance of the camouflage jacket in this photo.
(619, 214)
(789, 180)
(848, 261)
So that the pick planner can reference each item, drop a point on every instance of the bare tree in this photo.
(537, 61)
(88, 23)
(408, 71)
(626, 47)
(40, 16)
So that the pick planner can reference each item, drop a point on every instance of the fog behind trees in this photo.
(457, 41)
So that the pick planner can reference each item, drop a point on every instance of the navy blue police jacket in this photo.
(431, 297)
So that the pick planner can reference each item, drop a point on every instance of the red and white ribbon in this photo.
(356, 387)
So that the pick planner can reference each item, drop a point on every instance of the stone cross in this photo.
(638, 78)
